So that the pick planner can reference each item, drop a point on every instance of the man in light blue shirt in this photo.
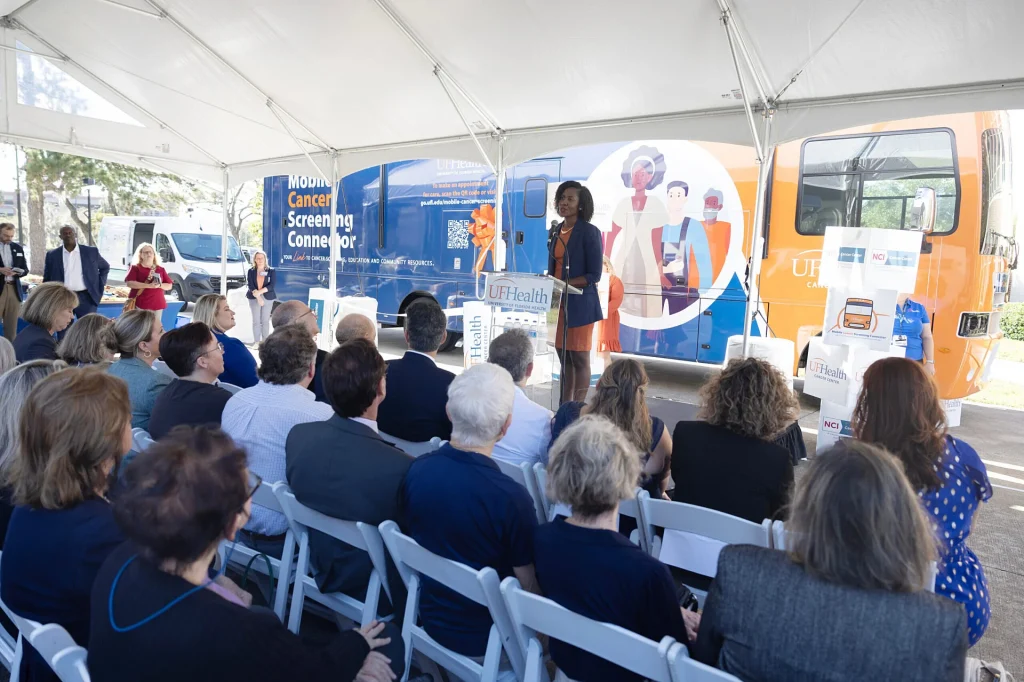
(259, 419)
(529, 433)
(682, 239)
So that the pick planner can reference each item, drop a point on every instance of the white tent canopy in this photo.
(261, 87)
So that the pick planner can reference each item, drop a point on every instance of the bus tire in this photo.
(450, 340)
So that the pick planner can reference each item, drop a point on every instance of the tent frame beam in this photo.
(29, 140)
(733, 33)
(298, 143)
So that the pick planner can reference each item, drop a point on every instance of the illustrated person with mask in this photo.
(719, 233)
(686, 256)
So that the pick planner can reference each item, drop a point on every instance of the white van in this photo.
(189, 248)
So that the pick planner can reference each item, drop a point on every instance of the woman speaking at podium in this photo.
(574, 250)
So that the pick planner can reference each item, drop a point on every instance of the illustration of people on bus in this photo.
(686, 256)
(719, 233)
(639, 220)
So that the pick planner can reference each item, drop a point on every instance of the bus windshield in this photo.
(871, 180)
(205, 247)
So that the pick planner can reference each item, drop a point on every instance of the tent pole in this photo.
(465, 122)
(224, 234)
(734, 35)
(500, 250)
(335, 253)
(766, 156)
(298, 143)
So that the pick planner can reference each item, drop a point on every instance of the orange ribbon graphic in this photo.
(483, 233)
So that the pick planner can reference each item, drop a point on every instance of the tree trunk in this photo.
(82, 225)
(36, 230)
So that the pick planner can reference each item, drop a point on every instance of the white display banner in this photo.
(860, 317)
(477, 318)
(862, 258)
(953, 409)
(827, 376)
(525, 293)
(833, 424)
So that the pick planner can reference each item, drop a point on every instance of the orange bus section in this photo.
(868, 177)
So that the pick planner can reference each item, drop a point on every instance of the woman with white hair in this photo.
(147, 279)
(586, 565)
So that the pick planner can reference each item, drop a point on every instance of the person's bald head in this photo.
(294, 312)
(355, 326)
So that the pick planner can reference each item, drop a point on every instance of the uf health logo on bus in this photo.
(525, 293)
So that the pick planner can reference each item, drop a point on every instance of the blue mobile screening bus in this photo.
(406, 231)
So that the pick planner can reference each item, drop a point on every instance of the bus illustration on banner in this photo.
(857, 314)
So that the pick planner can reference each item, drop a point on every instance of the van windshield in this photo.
(205, 247)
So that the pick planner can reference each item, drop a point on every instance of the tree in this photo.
(245, 203)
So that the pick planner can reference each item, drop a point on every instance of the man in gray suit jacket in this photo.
(342, 468)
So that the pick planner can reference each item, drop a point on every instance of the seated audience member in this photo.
(899, 409)
(193, 399)
(586, 565)
(529, 435)
(417, 388)
(89, 341)
(49, 308)
(457, 504)
(858, 543)
(138, 335)
(239, 364)
(342, 468)
(15, 385)
(728, 462)
(260, 418)
(7, 357)
(621, 397)
(355, 326)
(179, 499)
(75, 428)
(298, 313)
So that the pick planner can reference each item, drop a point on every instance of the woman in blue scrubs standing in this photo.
(912, 330)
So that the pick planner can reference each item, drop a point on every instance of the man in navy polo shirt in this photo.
(458, 504)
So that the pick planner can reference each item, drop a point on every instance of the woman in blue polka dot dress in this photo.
(899, 409)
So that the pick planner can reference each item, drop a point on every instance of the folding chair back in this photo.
(482, 587)
(141, 439)
(281, 567)
(685, 669)
(56, 647)
(523, 475)
(552, 508)
(410, 447)
(631, 508)
(230, 388)
(356, 534)
(533, 615)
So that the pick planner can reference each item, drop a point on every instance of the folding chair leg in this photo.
(281, 595)
(298, 597)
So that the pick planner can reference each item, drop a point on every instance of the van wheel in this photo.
(450, 340)
(175, 294)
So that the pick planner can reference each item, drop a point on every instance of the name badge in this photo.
(900, 340)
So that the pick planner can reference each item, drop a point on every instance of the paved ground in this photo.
(998, 537)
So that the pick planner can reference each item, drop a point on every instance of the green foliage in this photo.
(1012, 321)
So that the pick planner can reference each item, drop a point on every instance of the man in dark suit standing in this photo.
(342, 468)
(414, 409)
(80, 268)
(12, 267)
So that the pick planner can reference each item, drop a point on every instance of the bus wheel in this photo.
(449, 342)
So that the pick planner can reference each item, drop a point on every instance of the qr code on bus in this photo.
(458, 234)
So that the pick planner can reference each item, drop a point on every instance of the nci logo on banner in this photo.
(523, 292)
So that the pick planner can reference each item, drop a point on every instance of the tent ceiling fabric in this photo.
(255, 85)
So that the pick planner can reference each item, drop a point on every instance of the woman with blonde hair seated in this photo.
(90, 341)
(729, 462)
(586, 565)
(848, 601)
(621, 397)
(49, 308)
(239, 364)
(138, 335)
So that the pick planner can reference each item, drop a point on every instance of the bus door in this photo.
(527, 205)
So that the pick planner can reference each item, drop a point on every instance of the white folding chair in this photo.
(54, 644)
(10, 647)
(364, 536)
(694, 536)
(243, 556)
(533, 615)
(230, 388)
(141, 439)
(409, 447)
(482, 587)
(161, 366)
(685, 669)
(523, 475)
(552, 508)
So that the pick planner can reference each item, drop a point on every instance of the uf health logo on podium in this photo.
(525, 293)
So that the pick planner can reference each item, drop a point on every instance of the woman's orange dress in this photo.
(609, 330)
(577, 338)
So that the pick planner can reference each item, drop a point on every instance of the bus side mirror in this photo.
(922, 215)
(166, 255)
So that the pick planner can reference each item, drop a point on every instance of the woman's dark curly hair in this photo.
(181, 495)
(586, 205)
(655, 166)
(749, 397)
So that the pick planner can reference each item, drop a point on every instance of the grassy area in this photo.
(1011, 350)
(1001, 393)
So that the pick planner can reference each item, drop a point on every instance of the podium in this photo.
(525, 301)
